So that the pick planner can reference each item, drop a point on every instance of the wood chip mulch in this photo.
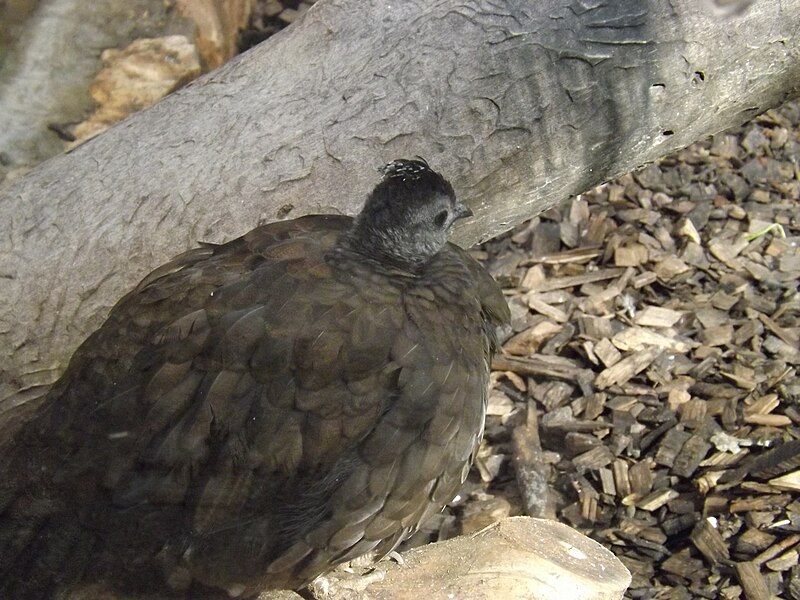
(647, 393)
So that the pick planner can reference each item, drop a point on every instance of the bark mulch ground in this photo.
(647, 393)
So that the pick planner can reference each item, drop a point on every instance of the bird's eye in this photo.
(440, 219)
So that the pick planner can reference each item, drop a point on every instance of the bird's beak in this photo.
(462, 211)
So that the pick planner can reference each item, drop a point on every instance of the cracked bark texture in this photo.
(49, 53)
(521, 104)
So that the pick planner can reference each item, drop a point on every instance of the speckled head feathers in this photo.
(406, 169)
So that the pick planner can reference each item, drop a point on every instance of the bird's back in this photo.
(250, 415)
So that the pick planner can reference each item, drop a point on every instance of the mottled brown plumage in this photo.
(256, 412)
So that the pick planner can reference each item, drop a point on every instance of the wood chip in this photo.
(543, 365)
(787, 336)
(607, 353)
(726, 250)
(789, 482)
(630, 256)
(569, 256)
(686, 228)
(763, 405)
(693, 413)
(657, 316)
(760, 503)
(690, 456)
(754, 540)
(558, 283)
(528, 342)
(643, 279)
(670, 446)
(784, 561)
(656, 500)
(670, 267)
(593, 459)
(556, 314)
(534, 277)
(717, 336)
(621, 481)
(709, 542)
(622, 371)
(607, 481)
(755, 588)
(777, 548)
(640, 476)
(768, 420)
(634, 339)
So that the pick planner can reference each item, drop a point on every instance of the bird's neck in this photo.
(382, 246)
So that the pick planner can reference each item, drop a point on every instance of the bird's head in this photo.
(409, 215)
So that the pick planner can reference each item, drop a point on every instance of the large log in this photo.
(521, 103)
(50, 51)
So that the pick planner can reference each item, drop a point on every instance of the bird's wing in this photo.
(417, 456)
(216, 409)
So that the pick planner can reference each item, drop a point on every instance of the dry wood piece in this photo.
(726, 250)
(634, 339)
(621, 480)
(568, 256)
(643, 279)
(531, 471)
(593, 459)
(560, 283)
(518, 557)
(776, 549)
(630, 256)
(670, 267)
(787, 336)
(693, 412)
(690, 456)
(542, 365)
(622, 371)
(683, 565)
(753, 541)
(528, 342)
(755, 588)
(768, 420)
(780, 459)
(556, 314)
(760, 503)
(607, 353)
(789, 482)
(717, 336)
(640, 476)
(709, 542)
(656, 316)
(765, 404)
(784, 561)
(670, 446)
(656, 500)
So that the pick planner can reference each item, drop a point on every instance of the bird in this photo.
(256, 412)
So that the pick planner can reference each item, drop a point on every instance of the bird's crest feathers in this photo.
(406, 169)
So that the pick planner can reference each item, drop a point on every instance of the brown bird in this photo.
(256, 412)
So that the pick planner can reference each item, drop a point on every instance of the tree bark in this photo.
(50, 51)
(520, 103)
